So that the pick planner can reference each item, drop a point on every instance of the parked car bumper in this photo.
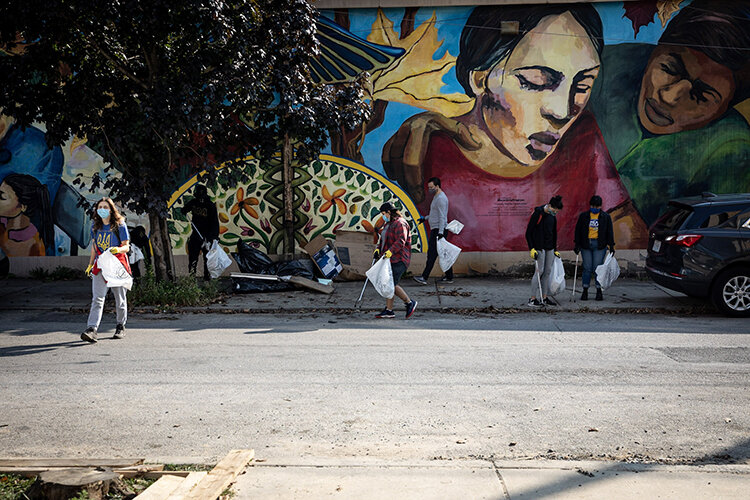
(678, 283)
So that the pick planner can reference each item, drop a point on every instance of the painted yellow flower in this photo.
(244, 203)
(333, 199)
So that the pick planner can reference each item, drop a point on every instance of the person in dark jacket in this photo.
(594, 233)
(541, 235)
(205, 228)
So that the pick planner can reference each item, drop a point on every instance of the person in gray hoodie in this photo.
(438, 219)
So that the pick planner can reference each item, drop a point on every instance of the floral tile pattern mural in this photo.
(330, 194)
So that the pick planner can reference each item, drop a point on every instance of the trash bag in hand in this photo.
(607, 273)
(557, 280)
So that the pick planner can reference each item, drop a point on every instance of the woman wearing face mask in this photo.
(527, 134)
(109, 234)
(594, 234)
(541, 236)
(395, 244)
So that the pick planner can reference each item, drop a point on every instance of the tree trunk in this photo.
(288, 176)
(162, 247)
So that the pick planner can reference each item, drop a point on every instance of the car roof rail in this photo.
(708, 194)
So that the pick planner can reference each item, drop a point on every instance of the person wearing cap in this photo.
(395, 244)
(594, 233)
(541, 235)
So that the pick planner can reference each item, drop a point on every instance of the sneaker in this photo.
(386, 314)
(599, 294)
(119, 331)
(410, 307)
(549, 302)
(535, 303)
(420, 280)
(89, 335)
(585, 294)
(445, 279)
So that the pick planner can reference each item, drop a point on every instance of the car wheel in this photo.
(731, 292)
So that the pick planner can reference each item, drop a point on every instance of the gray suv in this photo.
(701, 247)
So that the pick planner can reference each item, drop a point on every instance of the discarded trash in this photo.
(253, 261)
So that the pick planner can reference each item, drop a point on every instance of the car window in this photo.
(743, 220)
(720, 218)
(674, 217)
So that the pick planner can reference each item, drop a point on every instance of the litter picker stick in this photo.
(575, 277)
(358, 304)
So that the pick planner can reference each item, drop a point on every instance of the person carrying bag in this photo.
(110, 235)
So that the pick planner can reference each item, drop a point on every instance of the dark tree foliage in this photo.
(163, 88)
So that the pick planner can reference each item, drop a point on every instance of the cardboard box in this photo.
(355, 251)
(324, 256)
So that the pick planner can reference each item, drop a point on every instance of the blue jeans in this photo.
(592, 257)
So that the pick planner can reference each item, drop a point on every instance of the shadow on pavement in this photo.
(22, 350)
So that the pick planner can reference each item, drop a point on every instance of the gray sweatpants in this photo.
(99, 292)
(545, 260)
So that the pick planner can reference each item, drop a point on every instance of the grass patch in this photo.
(13, 487)
(184, 291)
(60, 273)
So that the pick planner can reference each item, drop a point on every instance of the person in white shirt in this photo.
(437, 219)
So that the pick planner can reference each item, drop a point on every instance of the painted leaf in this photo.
(416, 78)
(666, 8)
(640, 13)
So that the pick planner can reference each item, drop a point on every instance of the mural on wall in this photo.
(335, 195)
(638, 102)
(582, 99)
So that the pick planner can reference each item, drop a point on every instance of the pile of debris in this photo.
(61, 479)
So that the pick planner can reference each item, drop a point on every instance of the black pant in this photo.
(432, 256)
(194, 248)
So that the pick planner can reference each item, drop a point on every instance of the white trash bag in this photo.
(454, 226)
(113, 271)
(447, 254)
(557, 280)
(381, 276)
(607, 273)
(217, 260)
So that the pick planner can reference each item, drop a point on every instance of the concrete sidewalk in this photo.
(488, 295)
(501, 480)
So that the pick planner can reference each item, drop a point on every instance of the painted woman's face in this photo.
(532, 97)
(9, 205)
(683, 89)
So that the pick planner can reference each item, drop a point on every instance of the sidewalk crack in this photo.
(506, 495)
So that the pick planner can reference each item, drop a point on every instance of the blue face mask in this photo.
(386, 217)
(103, 212)
(595, 210)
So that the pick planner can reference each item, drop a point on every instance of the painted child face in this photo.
(9, 204)
(532, 97)
(683, 89)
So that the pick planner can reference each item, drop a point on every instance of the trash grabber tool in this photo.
(575, 277)
(358, 304)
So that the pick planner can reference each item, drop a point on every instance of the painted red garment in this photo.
(396, 238)
(495, 210)
(122, 257)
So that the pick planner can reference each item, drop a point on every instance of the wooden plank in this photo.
(221, 476)
(310, 284)
(70, 462)
(162, 488)
(187, 485)
(154, 474)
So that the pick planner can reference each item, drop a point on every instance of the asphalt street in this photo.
(190, 387)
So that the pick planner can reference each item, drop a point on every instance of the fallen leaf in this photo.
(512, 444)
(593, 429)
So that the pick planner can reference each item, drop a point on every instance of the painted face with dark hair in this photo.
(533, 96)
(9, 205)
(683, 89)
